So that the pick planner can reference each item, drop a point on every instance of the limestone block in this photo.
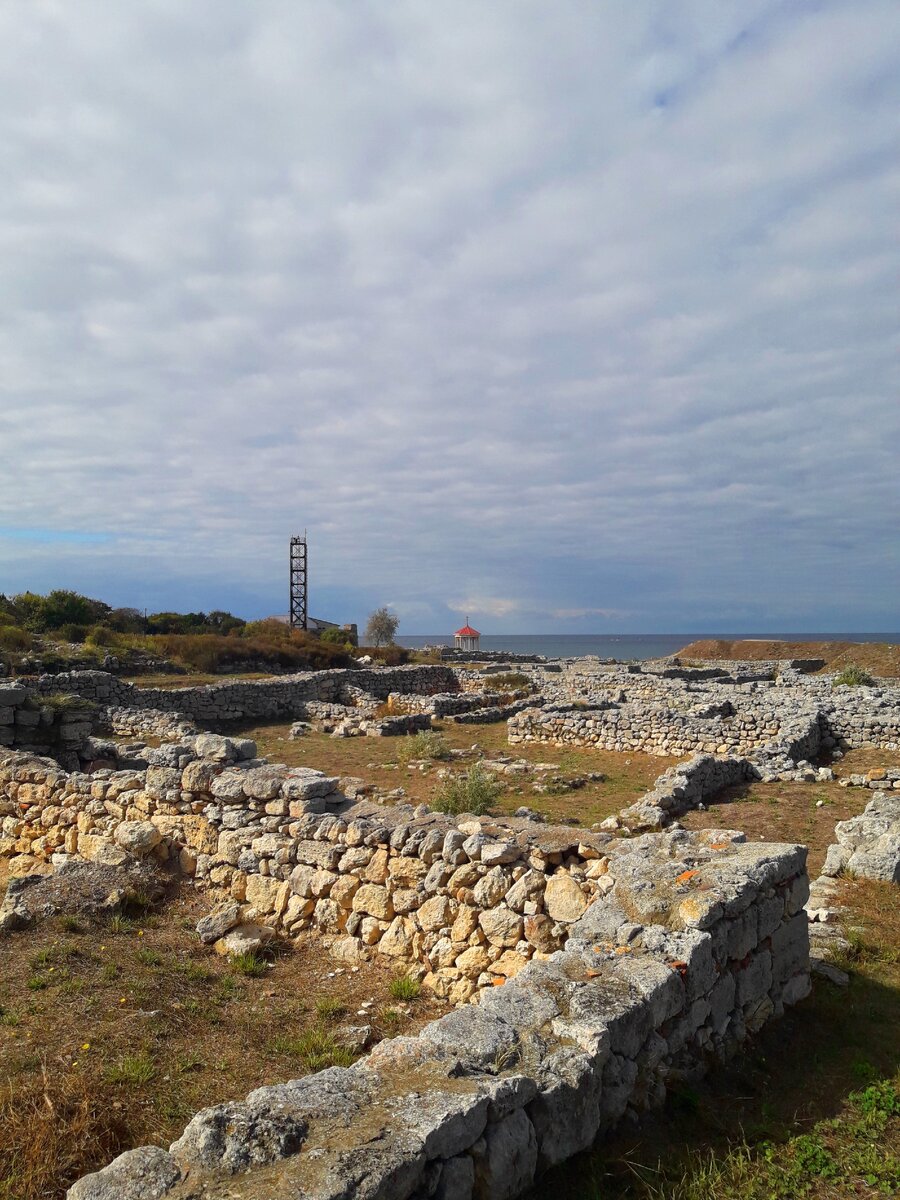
(218, 922)
(505, 1158)
(377, 870)
(246, 938)
(374, 901)
(137, 837)
(406, 900)
(566, 1112)
(502, 927)
(344, 889)
(437, 913)
(329, 916)
(198, 775)
(143, 1174)
(406, 871)
(464, 924)
(267, 895)
(509, 964)
(399, 939)
(538, 930)
(491, 888)
(564, 899)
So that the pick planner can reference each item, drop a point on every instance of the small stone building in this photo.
(466, 638)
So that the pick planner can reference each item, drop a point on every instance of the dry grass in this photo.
(879, 658)
(114, 1039)
(783, 812)
(376, 760)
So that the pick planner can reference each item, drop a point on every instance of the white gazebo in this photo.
(466, 638)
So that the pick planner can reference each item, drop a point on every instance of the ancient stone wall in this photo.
(649, 728)
(697, 944)
(250, 699)
(471, 901)
(48, 727)
(721, 720)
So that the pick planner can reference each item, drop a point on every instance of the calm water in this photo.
(625, 645)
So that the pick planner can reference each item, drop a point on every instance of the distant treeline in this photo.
(216, 641)
(61, 608)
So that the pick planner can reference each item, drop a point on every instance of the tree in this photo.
(381, 627)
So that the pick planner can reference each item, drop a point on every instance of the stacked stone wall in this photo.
(698, 943)
(251, 699)
(30, 724)
(470, 901)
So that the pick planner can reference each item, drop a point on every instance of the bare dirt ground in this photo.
(880, 658)
(374, 760)
(794, 812)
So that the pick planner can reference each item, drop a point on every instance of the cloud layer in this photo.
(561, 316)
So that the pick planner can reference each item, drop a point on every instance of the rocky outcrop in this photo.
(868, 845)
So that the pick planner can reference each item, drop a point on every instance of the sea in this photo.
(624, 646)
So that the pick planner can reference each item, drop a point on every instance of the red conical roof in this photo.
(467, 631)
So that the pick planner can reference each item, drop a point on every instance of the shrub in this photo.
(853, 676)
(66, 702)
(217, 653)
(316, 1049)
(391, 656)
(72, 633)
(126, 620)
(133, 1069)
(473, 792)
(426, 744)
(12, 637)
(334, 637)
(101, 635)
(248, 963)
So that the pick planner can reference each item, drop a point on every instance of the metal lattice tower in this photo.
(299, 615)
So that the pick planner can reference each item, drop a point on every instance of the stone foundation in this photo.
(696, 945)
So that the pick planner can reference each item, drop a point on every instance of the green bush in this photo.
(14, 638)
(426, 744)
(334, 637)
(853, 676)
(475, 792)
(72, 633)
(101, 635)
(404, 987)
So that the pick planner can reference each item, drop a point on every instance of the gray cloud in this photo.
(586, 314)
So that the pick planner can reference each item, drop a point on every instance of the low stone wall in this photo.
(283, 696)
(682, 788)
(30, 724)
(648, 728)
(147, 722)
(470, 901)
(698, 943)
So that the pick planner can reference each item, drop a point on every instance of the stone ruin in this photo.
(590, 969)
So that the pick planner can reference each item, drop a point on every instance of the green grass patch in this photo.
(404, 987)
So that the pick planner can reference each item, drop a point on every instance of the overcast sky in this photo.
(564, 316)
